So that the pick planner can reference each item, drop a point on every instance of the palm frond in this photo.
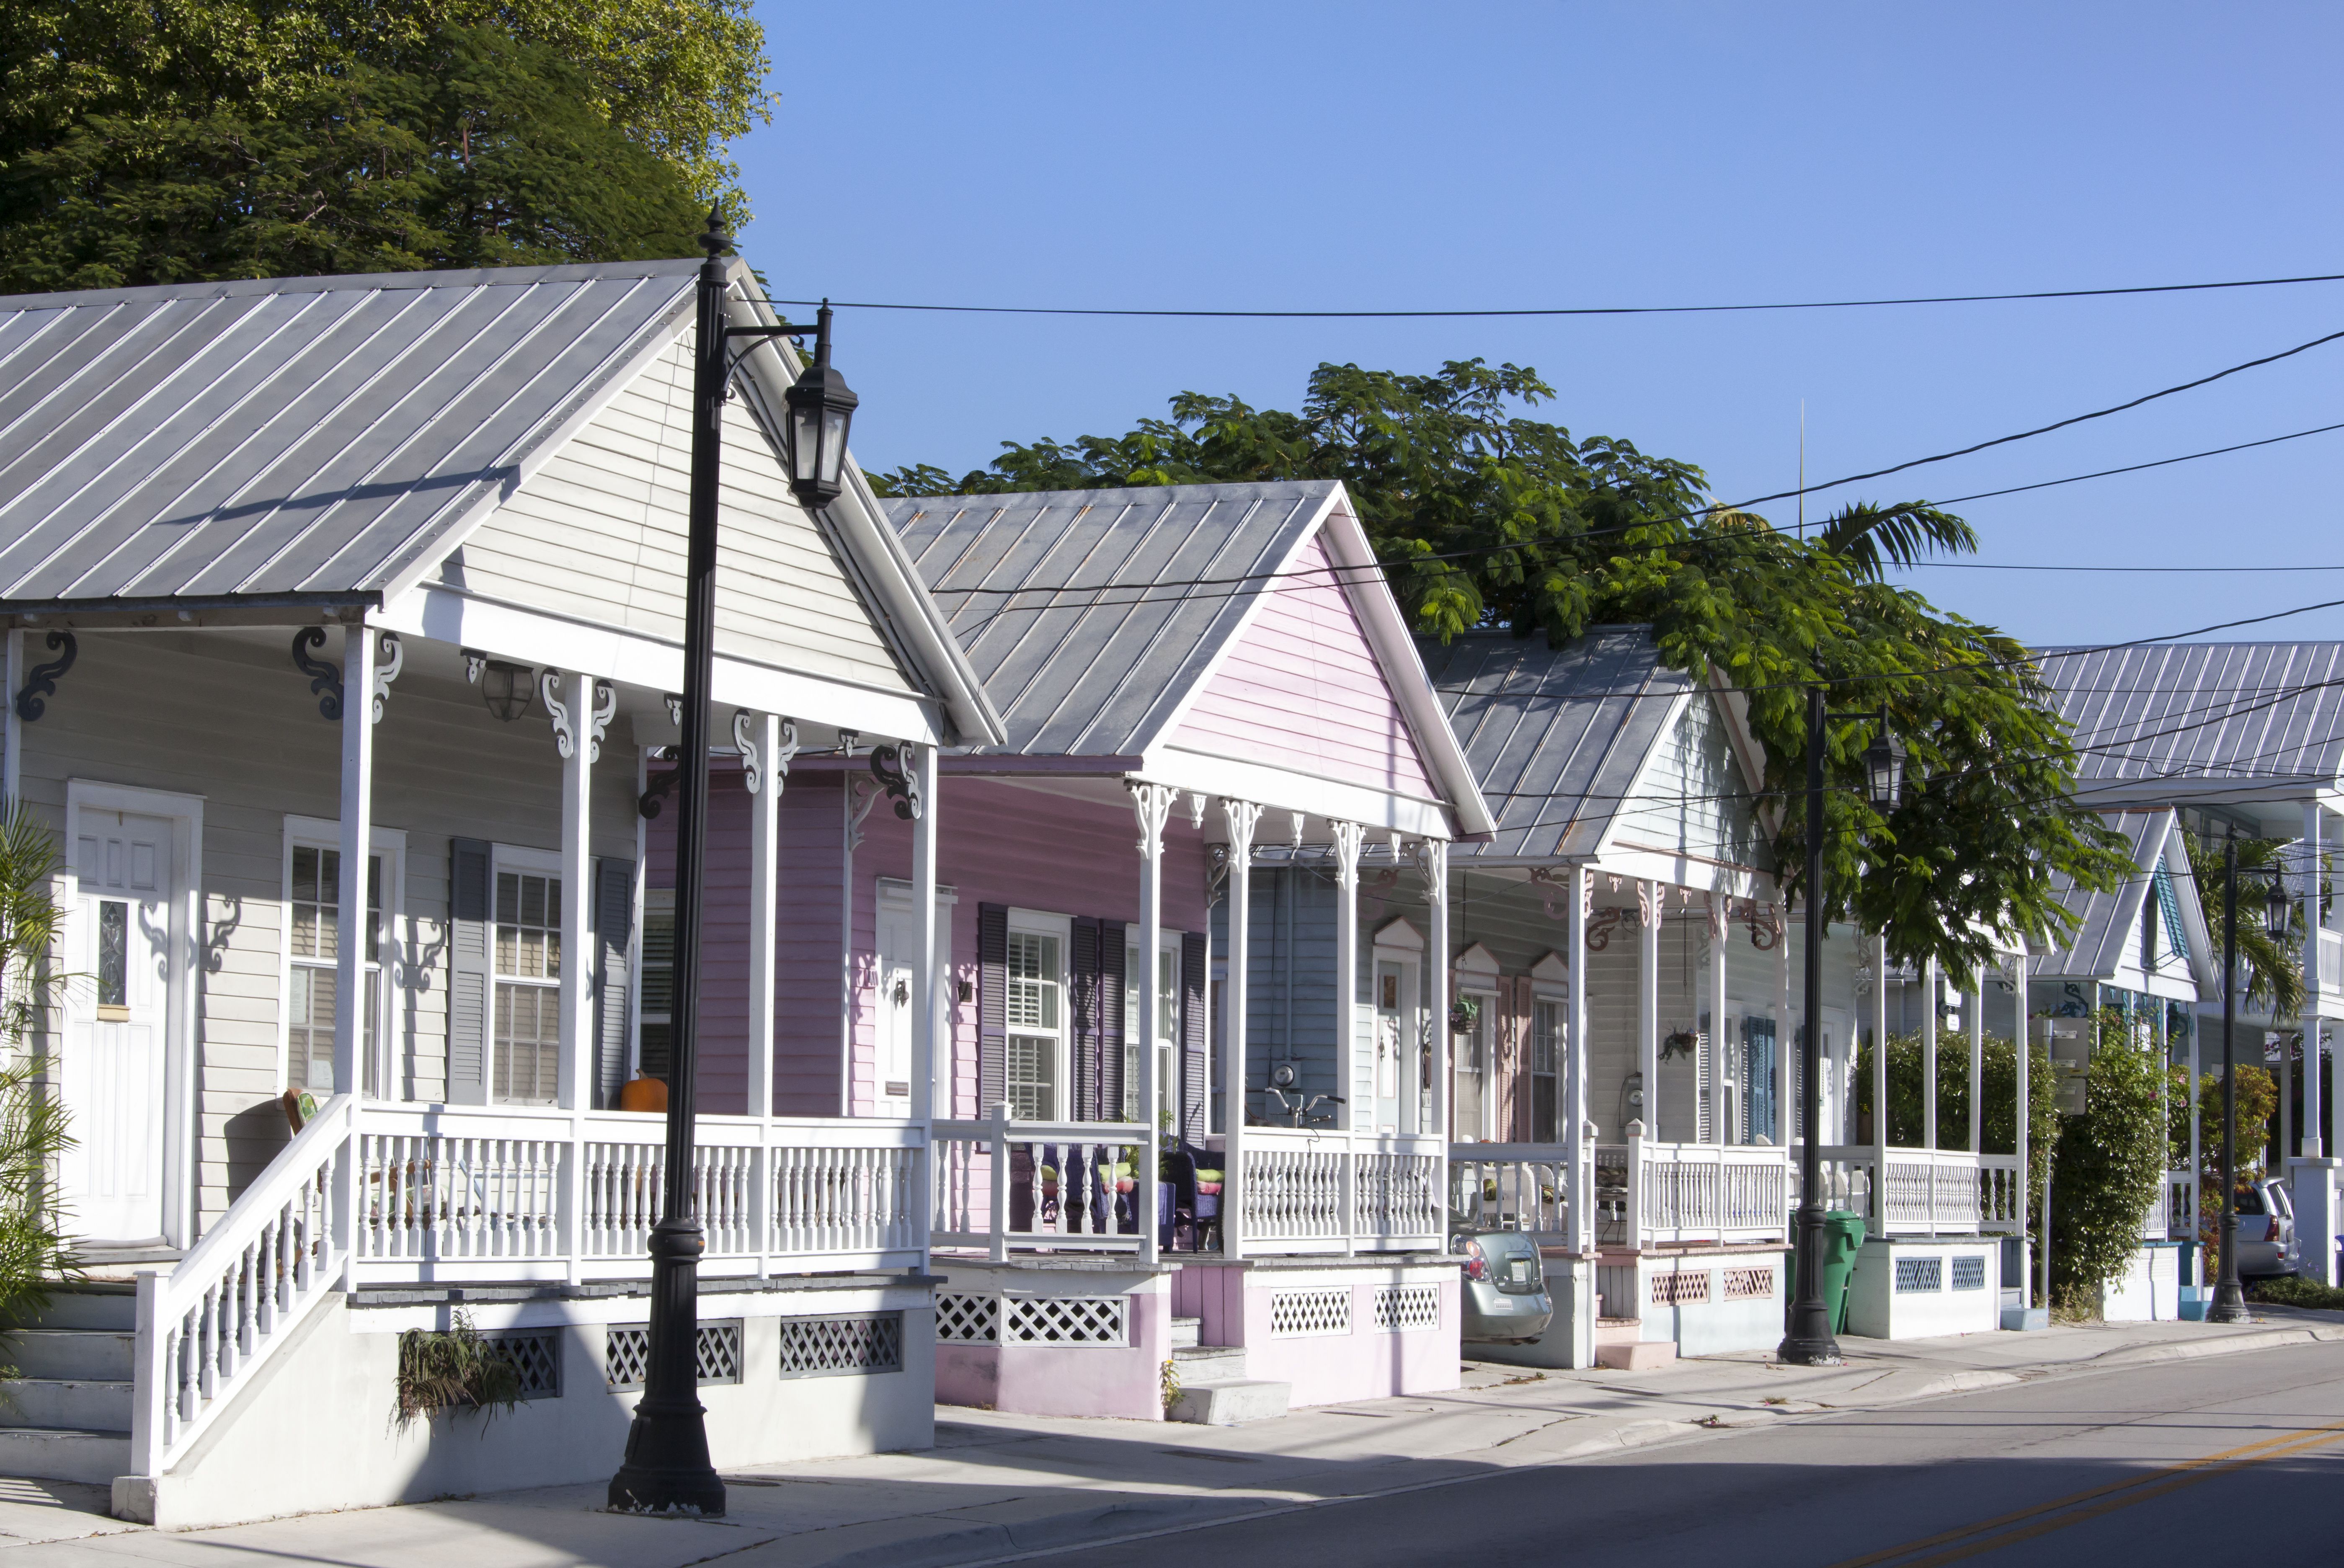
(1871, 538)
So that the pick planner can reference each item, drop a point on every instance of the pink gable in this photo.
(1302, 690)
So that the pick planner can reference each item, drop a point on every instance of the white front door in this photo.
(117, 1027)
(1395, 1020)
(890, 1094)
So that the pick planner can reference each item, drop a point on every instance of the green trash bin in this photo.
(1843, 1238)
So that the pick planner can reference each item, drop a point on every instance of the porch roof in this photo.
(2212, 724)
(2107, 946)
(1557, 736)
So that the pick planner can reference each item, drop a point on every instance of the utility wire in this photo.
(1571, 309)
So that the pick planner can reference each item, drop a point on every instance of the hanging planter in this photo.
(1464, 1015)
(1679, 1043)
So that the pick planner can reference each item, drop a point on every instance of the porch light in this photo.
(1884, 768)
(821, 410)
(506, 687)
(2278, 908)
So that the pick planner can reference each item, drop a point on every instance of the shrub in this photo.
(455, 1370)
(2111, 1165)
(34, 1253)
(2294, 1290)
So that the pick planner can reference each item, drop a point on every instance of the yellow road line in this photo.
(2163, 1479)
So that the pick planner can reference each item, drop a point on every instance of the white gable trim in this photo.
(1396, 934)
(1551, 969)
(1476, 961)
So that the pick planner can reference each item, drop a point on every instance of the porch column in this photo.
(2312, 980)
(1880, 1083)
(575, 1076)
(1243, 817)
(1649, 906)
(767, 743)
(358, 842)
(930, 1055)
(2157, 1028)
(1435, 861)
(1719, 923)
(1977, 1021)
(2020, 1141)
(1576, 1152)
(1929, 1053)
(1153, 805)
(2196, 1132)
(1347, 1018)
(1787, 1038)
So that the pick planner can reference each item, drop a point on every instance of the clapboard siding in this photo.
(1692, 798)
(599, 532)
(1302, 689)
(225, 716)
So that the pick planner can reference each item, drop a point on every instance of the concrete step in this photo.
(48, 1455)
(1185, 1331)
(1619, 1331)
(76, 1355)
(64, 1404)
(1198, 1363)
(1226, 1402)
(91, 1305)
(1643, 1356)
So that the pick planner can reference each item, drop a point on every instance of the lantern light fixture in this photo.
(1884, 767)
(507, 688)
(2279, 908)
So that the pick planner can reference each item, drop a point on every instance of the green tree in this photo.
(1484, 516)
(2271, 968)
(2109, 1169)
(33, 1132)
(189, 139)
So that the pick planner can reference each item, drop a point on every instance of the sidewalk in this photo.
(999, 1487)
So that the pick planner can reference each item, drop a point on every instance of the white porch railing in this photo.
(1687, 1192)
(207, 1325)
(1305, 1190)
(1510, 1186)
(1927, 1191)
(504, 1193)
(1003, 1184)
(2178, 1212)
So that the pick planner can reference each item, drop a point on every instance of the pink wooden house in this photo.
(1221, 669)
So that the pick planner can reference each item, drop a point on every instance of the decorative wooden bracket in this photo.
(661, 786)
(890, 767)
(324, 681)
(42, 679)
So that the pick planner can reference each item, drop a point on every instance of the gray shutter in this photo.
(992, 1005)
(1082, 961)
(613, 915)
(1194, 1083)
(1110, 991)
(470, 983)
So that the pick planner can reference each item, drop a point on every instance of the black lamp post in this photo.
(667, 1468)
(2230, 1301)
(1807, 1338)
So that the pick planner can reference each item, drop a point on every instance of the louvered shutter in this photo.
(992, 1005)
(1083, 962)
(1195, 1080)
(1111, 1016)
(471, 982)
(614, 919)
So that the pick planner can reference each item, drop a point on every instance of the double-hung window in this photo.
(1546, 1062)
(1036, 1017)
(1168, 1019)
(313, 945)
(528, 956)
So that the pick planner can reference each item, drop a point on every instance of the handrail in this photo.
(205, 1327)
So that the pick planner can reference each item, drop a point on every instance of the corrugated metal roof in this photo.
(1556, 735)
(2108, 921)
(289, 435)
(2265, 714)
(1076, 673)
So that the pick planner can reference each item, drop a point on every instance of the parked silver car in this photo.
(1504, 1289)
(2266, 1239)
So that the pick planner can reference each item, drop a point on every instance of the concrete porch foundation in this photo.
(1915, 1286)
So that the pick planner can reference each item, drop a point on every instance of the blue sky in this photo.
(1290, 156)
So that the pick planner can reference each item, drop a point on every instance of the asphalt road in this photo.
(2225, 1458)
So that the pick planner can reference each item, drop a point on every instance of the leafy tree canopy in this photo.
(175, 140)
(1485, 516)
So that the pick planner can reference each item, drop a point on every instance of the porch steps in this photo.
(1185, 1331)
(1619, 1345)
(67, 1417)
(1215, 1390)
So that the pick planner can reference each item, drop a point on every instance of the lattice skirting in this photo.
(1969, 1272)
(841, 1347)
(1295, 1313)
(968, 1320)
(1914, 1274)
(535, 1355)
(1401, 1308)
(627, 1349)
(1747, 1284)
(1068, 1320)
(1685, 1289)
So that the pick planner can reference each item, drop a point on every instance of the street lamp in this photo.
(2230, 1301)
(1807, 1338)
(667, 1468)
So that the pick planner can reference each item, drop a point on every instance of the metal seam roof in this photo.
(2263, 713)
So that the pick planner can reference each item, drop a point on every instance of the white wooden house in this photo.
(343, 591)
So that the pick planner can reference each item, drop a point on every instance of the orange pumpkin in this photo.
(643, 1094)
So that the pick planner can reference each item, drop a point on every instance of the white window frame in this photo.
(502, 859)
(1550, 985)
(390, 844)
(1041, 922)
(1167, 1048)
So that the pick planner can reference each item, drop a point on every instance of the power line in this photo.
(1569, 309)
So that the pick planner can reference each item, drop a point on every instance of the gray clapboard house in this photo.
(366, 592)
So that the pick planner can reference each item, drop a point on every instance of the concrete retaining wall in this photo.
(1878, 1309)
